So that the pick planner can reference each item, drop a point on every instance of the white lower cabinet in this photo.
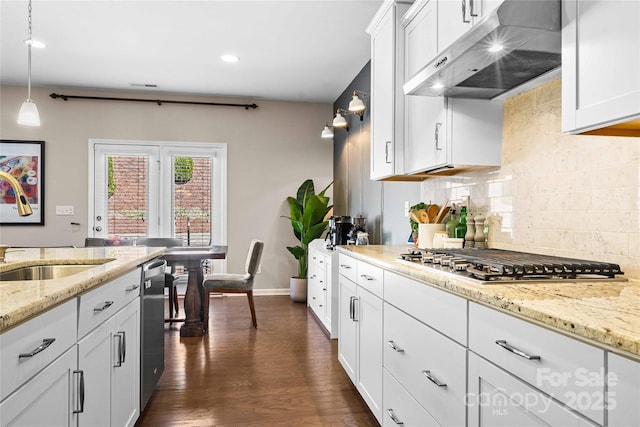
(400, 408)
(77, 364)
(109, 358)
(46, 400)
(429, 365)
(322, 294)
(360, 341)
(497, 398)
(623, 391)
(570, 371)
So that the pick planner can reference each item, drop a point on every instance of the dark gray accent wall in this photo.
(382, 203)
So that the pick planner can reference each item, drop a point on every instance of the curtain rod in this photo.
(155, 101)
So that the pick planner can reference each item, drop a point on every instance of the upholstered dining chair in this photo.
(235, 283)
(169, 278)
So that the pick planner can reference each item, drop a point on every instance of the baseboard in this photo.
(274, 291)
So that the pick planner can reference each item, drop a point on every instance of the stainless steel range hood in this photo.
(529, 31)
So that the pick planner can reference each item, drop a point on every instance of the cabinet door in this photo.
(95, 360)
(45, 400)
(382, 97)
(328, 306)
(600, 63)
(426, 139)
(454, 19)
(497, 398)
(347, 329)
(368, 315)
(623, 394)
(125, 389)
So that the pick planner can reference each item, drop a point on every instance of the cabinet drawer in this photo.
(440, 310)
(370, 277)
(347, 266)
(402, 409)
(568, 370)
(498, 399)
(34, 338)
(429, 365)
(101, 303)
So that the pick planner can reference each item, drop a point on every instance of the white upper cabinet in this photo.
(456, 17)
(386, 90)
(601, 67)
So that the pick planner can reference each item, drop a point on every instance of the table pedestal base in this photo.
(193, 325)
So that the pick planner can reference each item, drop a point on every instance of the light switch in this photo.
(64, 210)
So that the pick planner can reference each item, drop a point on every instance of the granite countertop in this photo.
(605, 313)
(22, 300)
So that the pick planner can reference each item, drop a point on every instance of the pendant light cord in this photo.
(29, 43)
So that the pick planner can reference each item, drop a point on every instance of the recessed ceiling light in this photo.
(230, 58)
(496, 47)
(437, 86)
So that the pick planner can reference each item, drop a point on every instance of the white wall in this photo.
(271, 151)
(566, 195)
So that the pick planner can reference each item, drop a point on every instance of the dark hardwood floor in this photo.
(285, 373)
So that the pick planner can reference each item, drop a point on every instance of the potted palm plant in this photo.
(307, 215)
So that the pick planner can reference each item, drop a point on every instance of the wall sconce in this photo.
(327, 132)
(357, 105)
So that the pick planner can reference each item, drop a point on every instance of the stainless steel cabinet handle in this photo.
(366, 277)
(106, 305)
(503, 344)
(393, 417)
(119, 361)
(345, 266)
(464, 12)
(80, 395)
(132, 288)
(473, 13)
(432, 379)
(395, 347)
(386, 152)
(355, 316)
(124, 346)
(45, 343)
(437, 136)
(351, 307)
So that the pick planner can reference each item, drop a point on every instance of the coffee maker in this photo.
(343, 226)
(359, 223)
(330, 237)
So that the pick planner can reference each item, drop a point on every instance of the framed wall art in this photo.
(23, 161)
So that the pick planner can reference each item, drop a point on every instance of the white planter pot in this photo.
(298, 289)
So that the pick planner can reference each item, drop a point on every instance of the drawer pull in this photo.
(45, 343)
(393, 417)
(395, 347)
(132, 288)
(345, 266)
(503, 344)
(365, 277)
(432, 379)
(106, 305)
(80, 398)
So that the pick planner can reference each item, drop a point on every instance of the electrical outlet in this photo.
(64, 210)
(406, 208)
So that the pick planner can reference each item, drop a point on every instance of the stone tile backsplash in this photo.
(559, 194)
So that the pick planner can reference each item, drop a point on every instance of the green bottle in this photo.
(450, 226)
(461, 227)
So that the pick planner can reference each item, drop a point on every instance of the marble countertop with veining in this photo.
(605, 313)
(22, 300)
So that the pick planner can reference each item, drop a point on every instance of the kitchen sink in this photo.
(44, 272)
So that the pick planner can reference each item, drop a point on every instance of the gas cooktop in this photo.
(502, 266)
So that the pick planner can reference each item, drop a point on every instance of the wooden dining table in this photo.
(190, 258)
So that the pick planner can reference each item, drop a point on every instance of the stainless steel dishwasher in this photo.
(152, 328)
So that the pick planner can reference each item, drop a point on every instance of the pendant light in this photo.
(29, 115)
